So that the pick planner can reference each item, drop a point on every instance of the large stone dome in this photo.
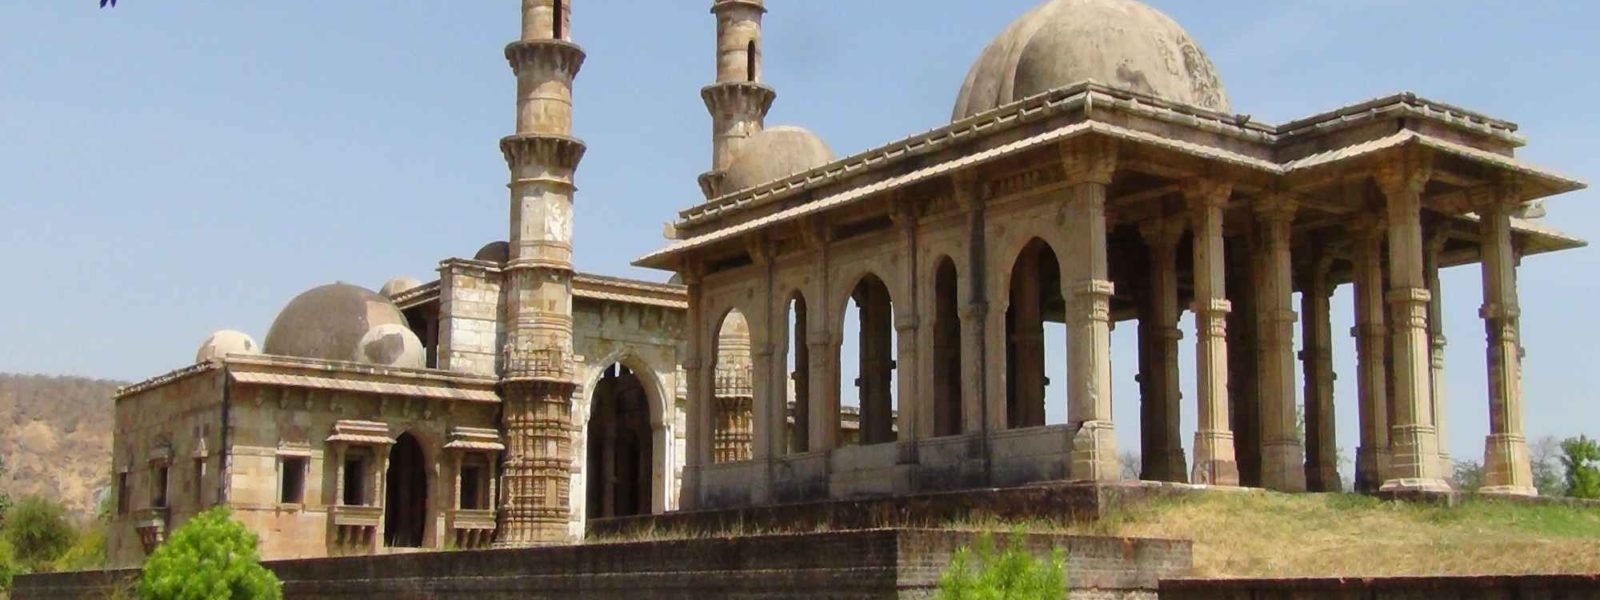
(330, 323)
(1119, 43)
(774, 154)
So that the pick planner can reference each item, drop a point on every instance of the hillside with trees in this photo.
(55, 437)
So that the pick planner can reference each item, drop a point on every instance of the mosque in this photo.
(1093, 174)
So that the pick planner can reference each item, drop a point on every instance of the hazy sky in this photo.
(172, 167)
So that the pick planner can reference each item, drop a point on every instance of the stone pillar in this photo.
(1214, 462)
(824, 419)
(1087, 288)
(538, 376)
(608, 458)
(1026, 354)
(802, 380)
(1158, 352)
(1436, 382)
(1415, 448)
(1507, 466)
(1244, 389)
(1283, 456)
(877, 365)
(1372, 455)
(734, 392)
(1322, 449)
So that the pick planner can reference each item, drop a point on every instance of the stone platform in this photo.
(1058, 501)
(885, 563)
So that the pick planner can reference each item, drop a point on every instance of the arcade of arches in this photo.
(968, 269)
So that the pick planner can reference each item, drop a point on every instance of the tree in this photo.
(5, 499)
(210, 557)
(1581, 458)
(1131, 464)
(1015, 573)
(38, 532)
(1467, 476)
(1545, 454)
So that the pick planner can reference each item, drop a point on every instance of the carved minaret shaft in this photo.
(738, 101)
(537, 372)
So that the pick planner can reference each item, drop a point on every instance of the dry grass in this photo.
(1264, 534)
(1277, 535)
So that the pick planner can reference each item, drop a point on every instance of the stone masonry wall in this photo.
(867, 564)
(1545, 587)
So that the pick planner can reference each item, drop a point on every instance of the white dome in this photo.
(225, 342)
(391, 345)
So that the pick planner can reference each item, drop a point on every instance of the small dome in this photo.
(1120, 43)
(774, 154)
(225, 342)
(394, 287)
(329, 322)
(391, 346)
(496, 252)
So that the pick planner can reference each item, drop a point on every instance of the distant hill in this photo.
(55, 435)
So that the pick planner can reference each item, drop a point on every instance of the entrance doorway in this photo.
(405, 502)
(620, 451)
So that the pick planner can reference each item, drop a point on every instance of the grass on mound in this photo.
(1264, 534)
(1260, 534)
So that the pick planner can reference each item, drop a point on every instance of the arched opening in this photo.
(946, 351)
(750, 62)
(734, 392)
(620, 454)
(405, 501)
(799, 397)
(874, 347)
(1035, 298)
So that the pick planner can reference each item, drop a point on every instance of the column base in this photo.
(1372, 468)
(1214, 463)
(1283, 466)
(1414, 454)
(1323, 478)
(1094, 453)
(1507, 465)
(1413, 486)
(1526, 491)
(1172, 465)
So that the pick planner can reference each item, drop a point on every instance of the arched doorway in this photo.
(620, 451)
(1035, 298)
(875, 347)
(405, 501)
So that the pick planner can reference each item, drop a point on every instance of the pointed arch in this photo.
(946, 350)
(405, 505)
(1034, 291)
(798, 405)
(874, 342)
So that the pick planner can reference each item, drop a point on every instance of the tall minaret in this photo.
(738, 101)
(538, 378)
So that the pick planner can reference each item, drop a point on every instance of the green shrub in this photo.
(88, 552)
(8, 566)
(1582, 461)
(1015, 573)
(39, 533)
(211, 557)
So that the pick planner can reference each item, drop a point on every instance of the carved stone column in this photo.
(1372, 383)
(802, 381)
(877, 365)
(1507, 467)
(1436, 381)
(1283, 457)
(1415, 449)
(1087, 288)
(1322, 450)
(1158, 345)
(1214, 461)
(1243, 274)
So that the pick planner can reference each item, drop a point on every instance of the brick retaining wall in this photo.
(859, 564)
(1542, 587)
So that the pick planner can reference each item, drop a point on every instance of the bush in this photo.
(210, 557)
(88, 552)
(1582, 461)
(39, 533)
(1015, 573)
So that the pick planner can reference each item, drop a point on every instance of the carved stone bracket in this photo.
(557, 56)
(553, 151)
(1089, 160)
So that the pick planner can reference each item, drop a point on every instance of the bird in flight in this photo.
(104, 3)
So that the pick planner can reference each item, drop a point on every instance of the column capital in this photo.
(1367, 225)
(1500, 196)
(1162, 232)
(1405, 174)
(1276, 207)
(1206, 192)
(760, 249)
(1089, 160)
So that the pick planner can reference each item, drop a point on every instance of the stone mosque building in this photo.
(1092, 175)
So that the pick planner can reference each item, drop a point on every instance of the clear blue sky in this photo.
(173, 167)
